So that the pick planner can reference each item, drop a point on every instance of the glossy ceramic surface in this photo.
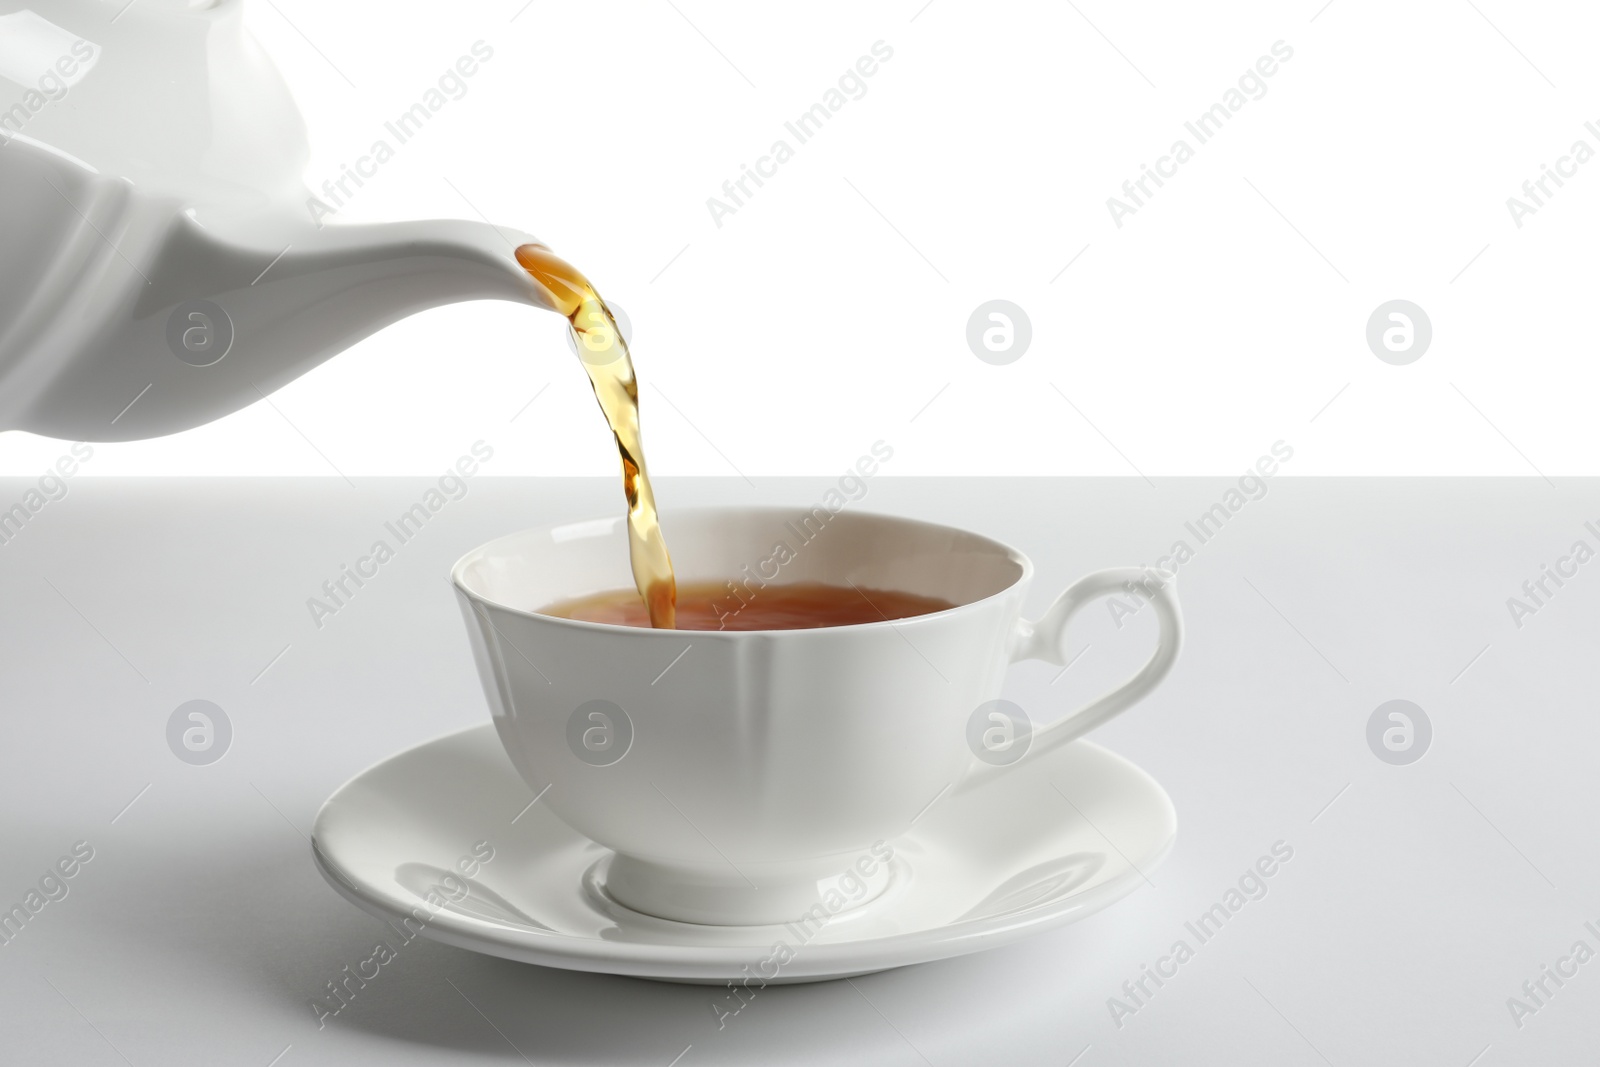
(1061, 838)
(752, 767)
(162, 264)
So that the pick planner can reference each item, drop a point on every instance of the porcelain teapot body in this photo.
(159, 267)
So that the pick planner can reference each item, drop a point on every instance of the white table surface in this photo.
(1418, 900)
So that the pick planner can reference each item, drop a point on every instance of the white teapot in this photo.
(158, 265)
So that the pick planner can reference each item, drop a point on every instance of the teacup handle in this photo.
(1044, 639)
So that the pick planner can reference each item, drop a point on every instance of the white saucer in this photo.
(1057, 839)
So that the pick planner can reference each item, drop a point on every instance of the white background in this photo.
(830, 310)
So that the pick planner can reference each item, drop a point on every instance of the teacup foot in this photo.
(805, 896)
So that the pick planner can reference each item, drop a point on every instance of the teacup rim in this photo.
(1023, 578)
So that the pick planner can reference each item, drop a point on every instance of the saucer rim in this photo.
(715, 964)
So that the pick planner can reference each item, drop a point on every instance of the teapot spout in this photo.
(383, 272)
(296, 305)
(221, 320)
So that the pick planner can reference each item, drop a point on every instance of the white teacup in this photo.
(738, 774)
